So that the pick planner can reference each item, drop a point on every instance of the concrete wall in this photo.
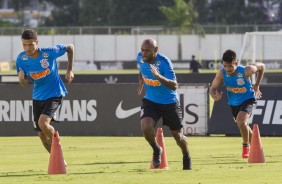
(125, 47)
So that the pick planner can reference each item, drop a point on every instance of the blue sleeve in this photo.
(59, 50)
(169, 72)
(18, 65)
(139, 56)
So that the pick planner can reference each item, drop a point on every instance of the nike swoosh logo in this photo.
(122, 114)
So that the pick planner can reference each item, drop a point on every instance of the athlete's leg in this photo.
(242, 121)
(45, 141)
(147, 127)
(47, 131)
(181, 141)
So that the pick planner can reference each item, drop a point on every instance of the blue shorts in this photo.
(47, 107)
(170, 113)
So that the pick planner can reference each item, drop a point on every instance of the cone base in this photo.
(165, 168)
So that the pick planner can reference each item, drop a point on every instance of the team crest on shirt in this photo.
(44, 63)
(240, 81)
(45, 55)
(158, 63)
(24, 57)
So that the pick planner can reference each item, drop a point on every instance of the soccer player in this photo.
(40, 65)
(241, 93)
(160, 100)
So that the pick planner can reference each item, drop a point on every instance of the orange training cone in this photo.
(56, 162)
(256, 152)
(160, 141)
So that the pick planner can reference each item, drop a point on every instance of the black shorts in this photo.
(47, 107)
(246, 106)
(170, 113)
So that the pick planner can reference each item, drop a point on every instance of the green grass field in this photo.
(116, 160)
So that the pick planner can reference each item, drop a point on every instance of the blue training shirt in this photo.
(239, 89)
(155, 91)
(43, 71)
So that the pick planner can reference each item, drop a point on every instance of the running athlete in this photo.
(241, 93)
(160, 100)
(39, 64)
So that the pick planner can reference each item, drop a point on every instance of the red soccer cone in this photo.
(256, 152)
(160, 141)
(56, 162)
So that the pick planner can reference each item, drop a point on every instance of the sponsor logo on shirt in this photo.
(24, 57)
(40, 75)
(151, 82)
(45, 55)
(158, 63)
(237, 90)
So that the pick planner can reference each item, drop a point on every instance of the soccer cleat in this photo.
(187, 165)
(157, 158)
(245, 151)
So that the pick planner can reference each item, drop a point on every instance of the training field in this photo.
(115, 160)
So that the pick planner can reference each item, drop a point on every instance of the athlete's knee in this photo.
(147, 124)
(44, 122)
(242, 124)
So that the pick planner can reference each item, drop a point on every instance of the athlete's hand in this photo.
(155, 71)
(217, 96)
(21, 74)
(258, 93)
(69, 76)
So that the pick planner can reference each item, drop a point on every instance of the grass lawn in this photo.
(116, 160)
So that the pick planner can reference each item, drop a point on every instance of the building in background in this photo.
(32, 14)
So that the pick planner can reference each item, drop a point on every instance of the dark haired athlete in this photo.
(241, 93)
(40, 65)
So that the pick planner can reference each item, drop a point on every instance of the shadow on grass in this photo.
(7, 175)
(114, 163)
(16, 174)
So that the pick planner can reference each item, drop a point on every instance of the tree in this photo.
(136, 13)
(237, 12)
(122, 12)
(5, 23)
(19, 6)
(66, 13)
(96, 12)
(182, 15)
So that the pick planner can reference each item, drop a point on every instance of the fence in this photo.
(129, 30)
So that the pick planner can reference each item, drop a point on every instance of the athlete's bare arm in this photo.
(22, 78)
(171, 84)
(215, 84)
(140, 84)
(257, 68)
(70, 54)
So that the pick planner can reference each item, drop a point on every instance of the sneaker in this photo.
(187, 165)
(157, 158)
(245, 151)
